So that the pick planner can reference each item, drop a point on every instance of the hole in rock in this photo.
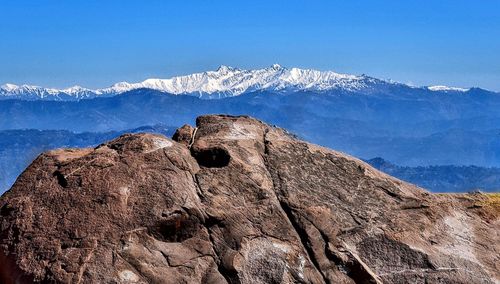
(212, 157)
(6, 210)
(61, 179)
(177, 229)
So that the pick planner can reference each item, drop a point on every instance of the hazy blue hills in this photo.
(444, 178)
(429, 128)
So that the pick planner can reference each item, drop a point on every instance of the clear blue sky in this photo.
(95, 43)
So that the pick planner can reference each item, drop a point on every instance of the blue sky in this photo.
(96, 43)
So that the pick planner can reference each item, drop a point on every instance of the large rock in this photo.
(236, 201)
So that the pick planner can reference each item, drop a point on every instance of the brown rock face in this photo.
(235, 201)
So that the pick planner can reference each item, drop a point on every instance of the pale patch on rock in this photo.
(462, 235)
(283, 247)
(302, 263)
(125, 193)
(64, 155)
(240, 132)
(159, 143)
(128, 276)
(279, 260)
(256, 160)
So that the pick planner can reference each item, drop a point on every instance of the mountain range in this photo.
(443, 178)
(224, 82)
(363, 116)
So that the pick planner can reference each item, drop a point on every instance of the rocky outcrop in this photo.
(236, 201)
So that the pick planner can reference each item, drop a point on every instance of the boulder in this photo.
(236, 201)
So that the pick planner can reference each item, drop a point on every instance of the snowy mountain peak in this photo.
(225, 81)
(9, 87)
(276, 66)
(223, 69)
(74, 89)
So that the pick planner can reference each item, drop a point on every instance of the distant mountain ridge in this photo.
(409, 127)
(443, 178)
(224, 82)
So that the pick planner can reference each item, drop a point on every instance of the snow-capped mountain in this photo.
(29, 92)
(223, 82)
(228, 81)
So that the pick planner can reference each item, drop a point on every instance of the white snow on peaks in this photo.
(74, 89)
(9, 87)
(224, 82)
(232, 81)
(446, 89)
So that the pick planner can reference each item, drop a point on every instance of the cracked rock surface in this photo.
(235, 201)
